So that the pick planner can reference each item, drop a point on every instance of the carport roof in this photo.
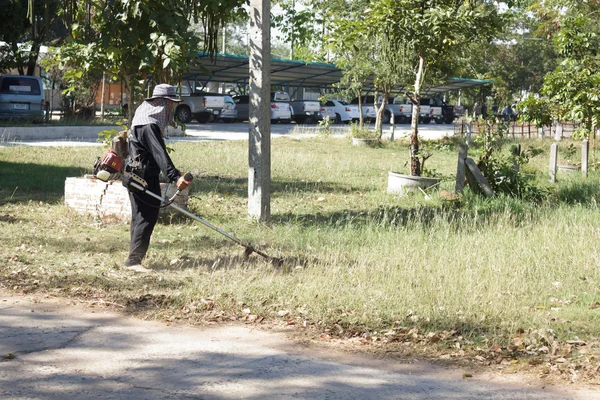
(231, 68)
(458, 83)
(235, 69)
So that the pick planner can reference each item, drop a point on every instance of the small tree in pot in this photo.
(431, 32)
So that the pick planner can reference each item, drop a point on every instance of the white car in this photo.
(281, 112)
(340, 111)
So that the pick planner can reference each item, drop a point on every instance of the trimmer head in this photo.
(277, 262)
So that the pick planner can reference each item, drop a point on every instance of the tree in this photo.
(353, 56)
(25, 27)
(517, 60)
(364, 52)
(573, 87)
(430, 32)
(144, 39)
(300, 27)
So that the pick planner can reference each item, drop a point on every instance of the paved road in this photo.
(239, 131)
(53, 351)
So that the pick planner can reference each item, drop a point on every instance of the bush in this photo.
(503, 172)
(363, 133)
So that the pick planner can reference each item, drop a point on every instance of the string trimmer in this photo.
(111, 166)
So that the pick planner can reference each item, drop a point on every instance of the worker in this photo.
(147, 158)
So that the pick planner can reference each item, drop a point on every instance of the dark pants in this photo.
(144, 214)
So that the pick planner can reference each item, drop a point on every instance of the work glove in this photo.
(184, 181)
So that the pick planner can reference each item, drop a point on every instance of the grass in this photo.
(70, 121)
(501, 277)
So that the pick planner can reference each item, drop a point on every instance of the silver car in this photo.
(21, 97)
(280, 111)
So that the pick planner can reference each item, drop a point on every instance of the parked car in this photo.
(229, 112)
(303, 111)
(339, 111)
(368, 107)
(205, 107)
(22, 97)
(280, 112)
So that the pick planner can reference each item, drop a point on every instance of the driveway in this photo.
(237, 131)
(50, 349)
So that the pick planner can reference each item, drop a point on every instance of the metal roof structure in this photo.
(235, 69)
(457, 84)
(231, 68)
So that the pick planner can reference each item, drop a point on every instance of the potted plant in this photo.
(362, 136)
(401, 184)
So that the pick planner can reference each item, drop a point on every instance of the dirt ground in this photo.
(56, 348)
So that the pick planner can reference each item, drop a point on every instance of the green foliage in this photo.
(573, 84)
(301, 27)
(536, 110)
(504, 171)
(26, 25)
(133, 40)
(359, 132)
(325, 126)
(581, 133)
(107, 135)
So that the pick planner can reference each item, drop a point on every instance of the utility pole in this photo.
(259, 139)
(292, 34)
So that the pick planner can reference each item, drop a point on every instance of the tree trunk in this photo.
(381, 112)
(102, 95)
(130, 83)
(33, 58)
(376, 106)
(361, 118)
(415, 164)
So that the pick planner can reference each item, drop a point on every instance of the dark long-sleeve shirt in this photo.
(147, 143)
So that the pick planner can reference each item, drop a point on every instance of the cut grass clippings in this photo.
(498, 281)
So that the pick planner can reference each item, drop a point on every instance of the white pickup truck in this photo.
(303, 111)
(402, 109)
(205, 107)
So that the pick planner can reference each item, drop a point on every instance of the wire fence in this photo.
(518, 130)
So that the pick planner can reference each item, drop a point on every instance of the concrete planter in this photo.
(401, 184)
(89, 195)
(364, 142)
(568, 168)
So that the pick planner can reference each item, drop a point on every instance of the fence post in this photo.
(461, 168)
(585, 149)
(559, 131)
(553, 161)
(469, 130)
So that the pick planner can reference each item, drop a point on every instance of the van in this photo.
(21, 97)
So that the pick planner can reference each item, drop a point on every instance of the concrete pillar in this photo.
(477, 181)
(259, 139)
(558, 133)
(392, 127)
(585, 150)
(461, 168)
(553, 161)
(469, 132)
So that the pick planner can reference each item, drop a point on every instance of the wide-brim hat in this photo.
(164, 91)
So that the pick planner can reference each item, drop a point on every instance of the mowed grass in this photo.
(485, 273)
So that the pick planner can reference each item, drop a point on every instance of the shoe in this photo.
(138, 268)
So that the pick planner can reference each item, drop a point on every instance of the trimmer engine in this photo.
(111, 163)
